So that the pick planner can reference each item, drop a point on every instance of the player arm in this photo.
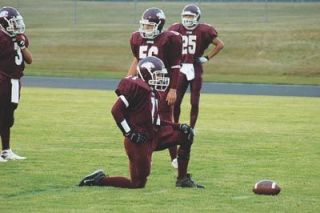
(27, 55)
(175, 55)
(23, 43)
(218, 46)
(133, 67)
(118, 112)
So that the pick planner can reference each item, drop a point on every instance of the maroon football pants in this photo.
(140, 157)
(6, 111)
(166, 113)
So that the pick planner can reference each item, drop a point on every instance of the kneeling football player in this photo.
(136, 114)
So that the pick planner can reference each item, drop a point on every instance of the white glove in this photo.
(203, 59)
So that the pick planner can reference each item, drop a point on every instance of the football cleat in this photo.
(92, 179)
(174, 163)
(187, 182)
(8, 154)
(2, 160)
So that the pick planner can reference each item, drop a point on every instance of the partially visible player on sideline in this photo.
(14, 53)
(151, 40)
(196, 38)
(137, 116)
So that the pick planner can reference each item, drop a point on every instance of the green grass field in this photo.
(240, 139)
(264, 43)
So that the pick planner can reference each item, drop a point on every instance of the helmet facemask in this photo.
(156, 79)
(189, 20)
(15, 25)
(149, 30)
(159, 80)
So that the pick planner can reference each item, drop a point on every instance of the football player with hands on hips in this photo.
(196, 38)
(136, 112)
(14, 53)
(152, 40)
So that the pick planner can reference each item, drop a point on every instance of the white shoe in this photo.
(2, 160)
(174, 163)
(8, 154)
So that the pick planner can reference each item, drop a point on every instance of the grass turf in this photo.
(264, 42)
(67, 134)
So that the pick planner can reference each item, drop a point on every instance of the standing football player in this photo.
(14, 53)
(137, 116)
(196, 38)
(151, 40)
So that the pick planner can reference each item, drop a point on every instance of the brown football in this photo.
(266, 187)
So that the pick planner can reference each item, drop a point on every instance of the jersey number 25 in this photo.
(189, 43)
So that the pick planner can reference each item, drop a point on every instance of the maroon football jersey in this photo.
(196, 41)
(11, 58)
(142, 109)
(166, 46)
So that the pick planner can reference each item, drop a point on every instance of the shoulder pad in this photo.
(132, 84)
(175, 24)
(175, 32)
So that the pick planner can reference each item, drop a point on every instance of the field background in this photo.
(67, 134)
(265, 42)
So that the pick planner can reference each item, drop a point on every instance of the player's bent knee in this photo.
(141, 183)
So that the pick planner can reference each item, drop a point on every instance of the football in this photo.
(266, 187)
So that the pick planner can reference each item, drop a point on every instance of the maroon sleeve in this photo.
(126, 88)
(134, 46)
(175, 55)
(118, 110)
(211, 34)
(134, 91)
(173, 27)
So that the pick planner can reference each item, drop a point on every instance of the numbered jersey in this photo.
(141, 102)
(166, 46)
(11, 59)
(196, 41)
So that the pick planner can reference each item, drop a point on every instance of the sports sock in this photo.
(5, 138)
(193, 116)
(173, 152)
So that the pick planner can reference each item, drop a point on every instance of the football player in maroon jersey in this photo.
(151, 40)
(14, 53)
(196, 38)
(137, 116)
